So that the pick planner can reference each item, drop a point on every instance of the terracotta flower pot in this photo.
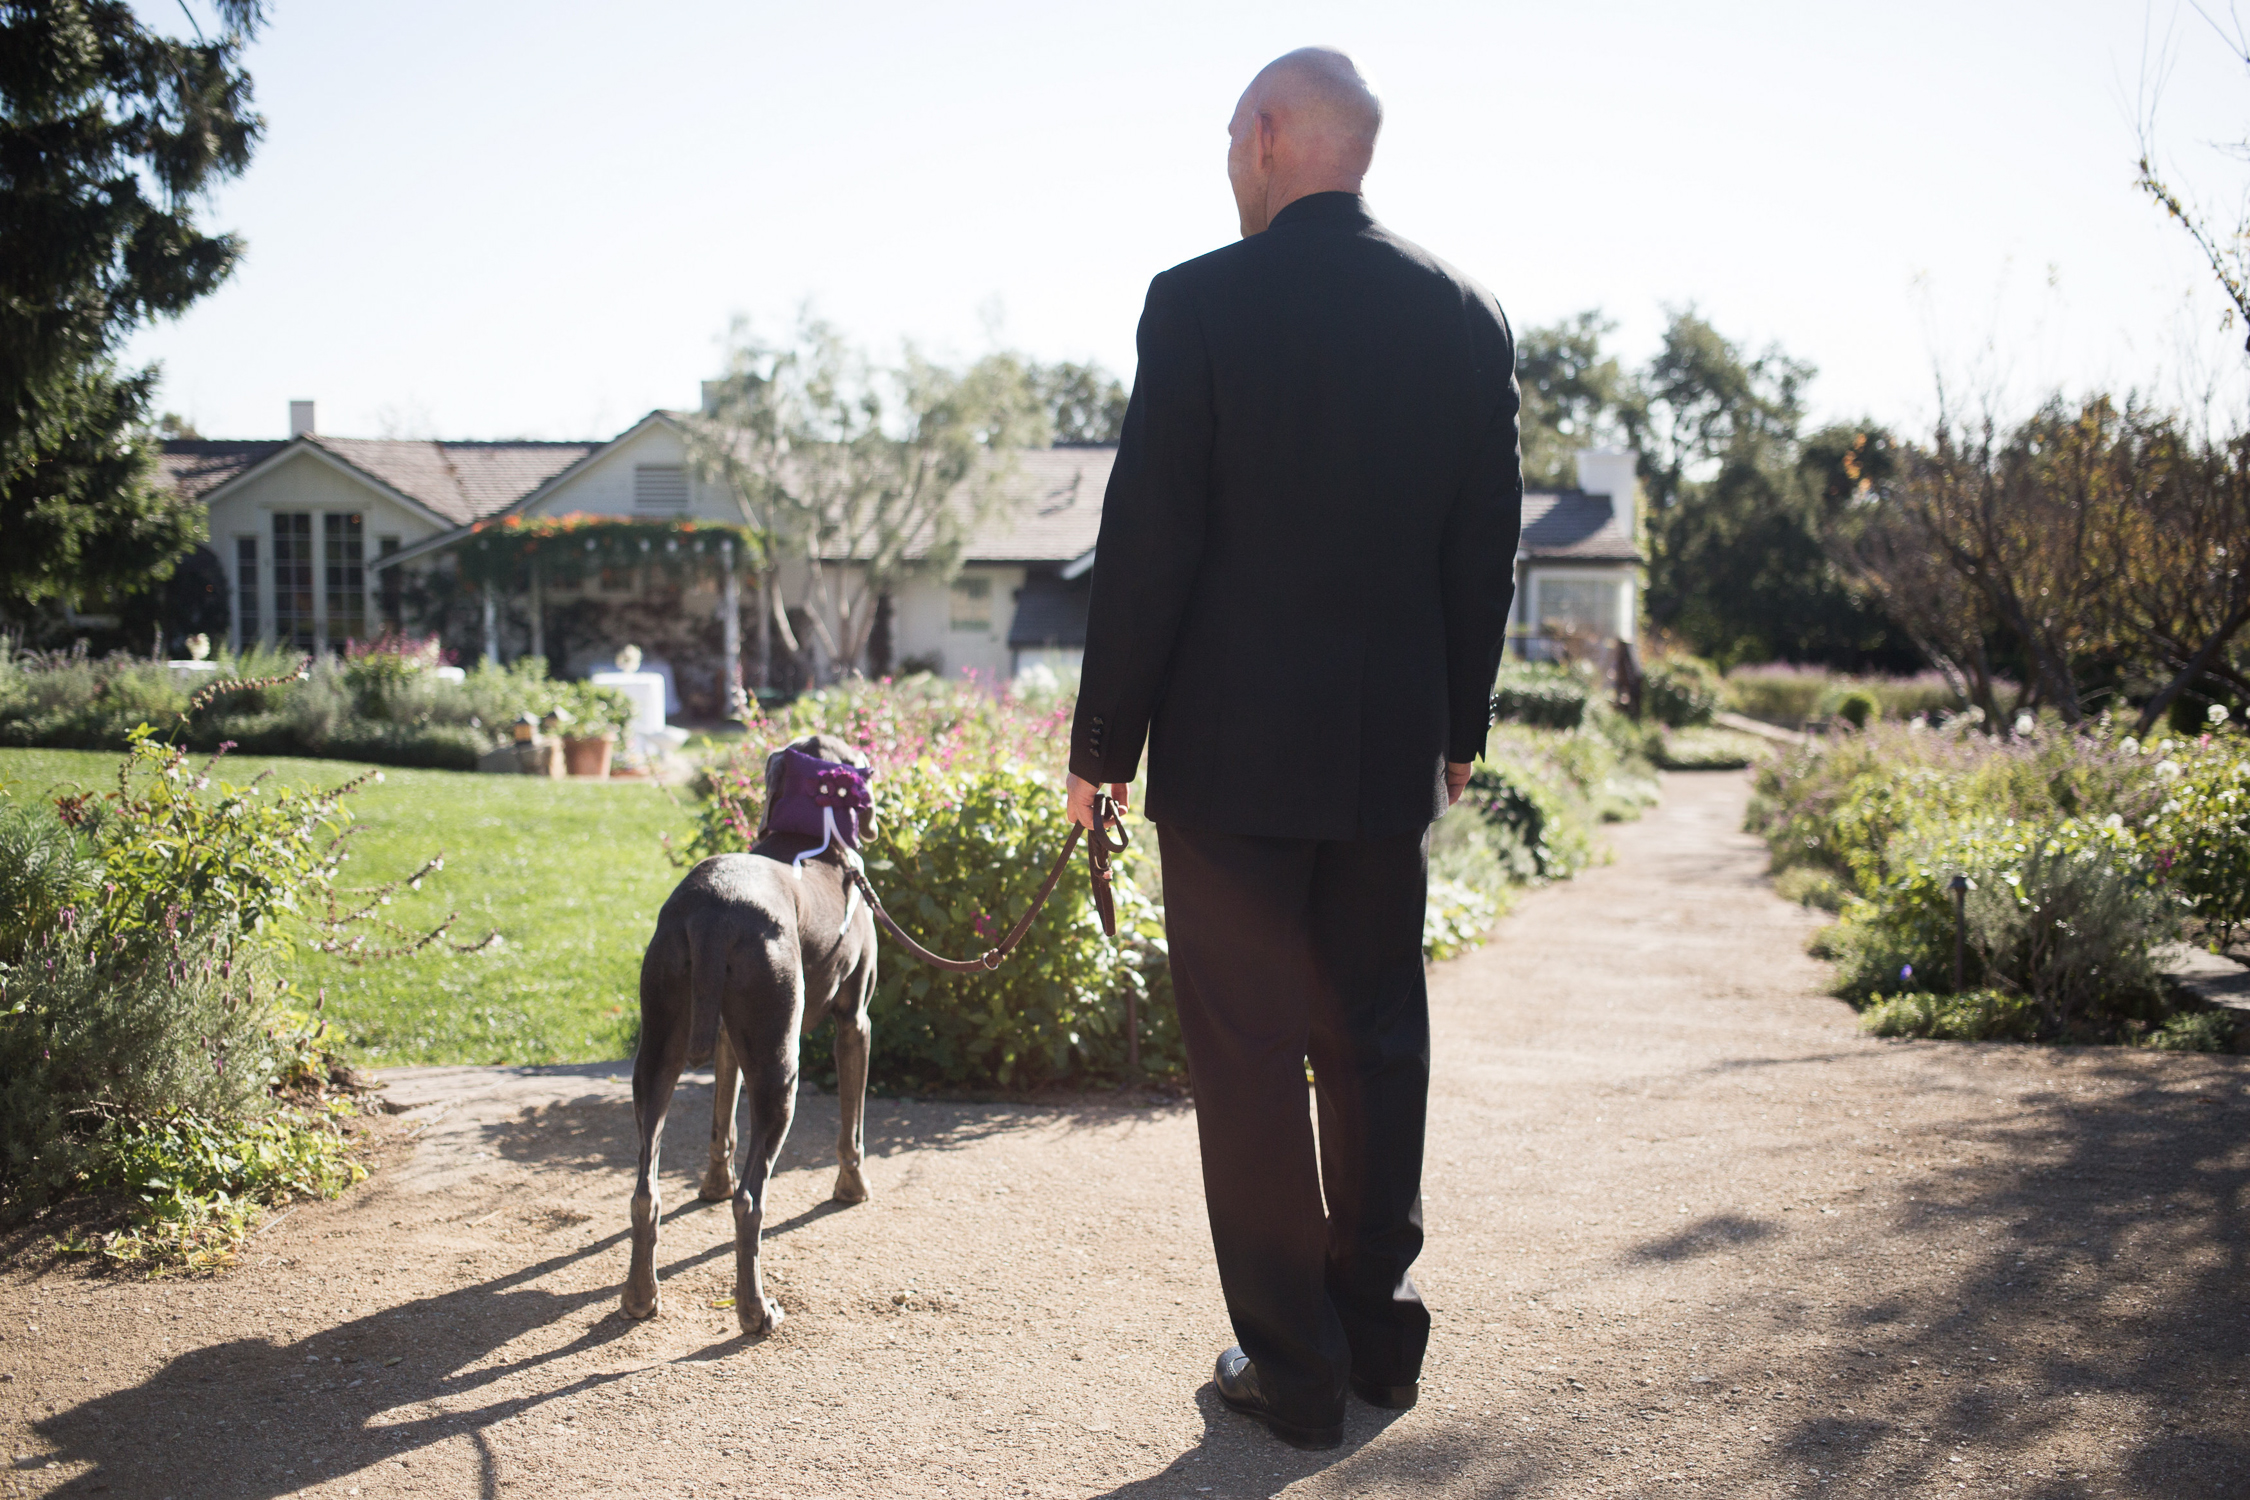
(587, 758)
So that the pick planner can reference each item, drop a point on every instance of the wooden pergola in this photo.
(511, 553)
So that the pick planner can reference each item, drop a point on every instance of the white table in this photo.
(646, 689)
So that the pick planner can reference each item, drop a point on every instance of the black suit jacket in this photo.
(1308, 545)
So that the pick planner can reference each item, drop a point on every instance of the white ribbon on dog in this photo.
(830, 836)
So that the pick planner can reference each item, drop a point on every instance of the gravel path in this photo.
(1689, 1233)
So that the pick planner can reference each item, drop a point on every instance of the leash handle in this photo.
(1099, 848)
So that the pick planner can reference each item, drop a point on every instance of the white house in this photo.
(327, 540)
(300, 525)
(1578, 566)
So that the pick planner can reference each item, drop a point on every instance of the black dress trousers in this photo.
(1284, 950)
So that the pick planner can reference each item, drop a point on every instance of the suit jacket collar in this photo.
(1324, 208)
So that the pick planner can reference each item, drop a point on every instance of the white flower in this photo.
(2129, 746)
(2167, 768)
(2114, 820)
(2216, 713)
(2025, 724)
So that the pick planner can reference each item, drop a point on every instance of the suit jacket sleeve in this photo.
(1478, 577)
(1151, 539)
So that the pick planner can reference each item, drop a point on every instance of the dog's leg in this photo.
(766, 1043)
(656, 1071)
(726, 1091)
(853, 1036)
(773, 1100)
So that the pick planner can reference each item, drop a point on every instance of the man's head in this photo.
(1306, 124)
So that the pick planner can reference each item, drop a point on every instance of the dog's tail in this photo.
(707, 977)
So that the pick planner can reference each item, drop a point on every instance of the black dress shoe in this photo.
(1238, 1388)
(1388, 1397)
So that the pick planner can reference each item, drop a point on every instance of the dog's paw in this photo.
(758, 1316)
(640, 1306)
(850, 1186)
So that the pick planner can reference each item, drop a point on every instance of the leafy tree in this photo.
(862, 474)
(1085, 404)
(1743, 569)
(1742, 504)
(2184, 592)
(1702, 401)
(2177, 561)
(109, 134)
(1574, 396)
(2094, 541)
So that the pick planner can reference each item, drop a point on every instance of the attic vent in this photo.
(659, 489)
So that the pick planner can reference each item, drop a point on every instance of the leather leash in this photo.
(1099, 848)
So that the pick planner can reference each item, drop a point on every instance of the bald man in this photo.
(1300, 595)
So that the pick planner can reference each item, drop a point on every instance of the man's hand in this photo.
(1081, 802)
(1456, 780)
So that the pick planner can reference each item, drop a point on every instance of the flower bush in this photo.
(1541, 694)
(958, 848)
(1680, 690)
(2084, 852)
(140, 1003)
(969, 815)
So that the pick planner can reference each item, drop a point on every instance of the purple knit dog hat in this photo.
(820, 799)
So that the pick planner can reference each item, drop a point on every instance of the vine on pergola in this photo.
(501, 553)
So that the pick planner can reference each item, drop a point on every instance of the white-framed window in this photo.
(1581, 603)
(343, 552)
(659, 489)
(295, 623)
(971, 604)
(245, 592)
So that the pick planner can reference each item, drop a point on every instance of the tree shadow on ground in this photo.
(2065, 1315)
(2099, 1264)
(364, 1392)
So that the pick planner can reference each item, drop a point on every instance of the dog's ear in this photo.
(832, 748)
(773, 790)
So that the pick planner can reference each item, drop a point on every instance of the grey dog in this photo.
(749, 954)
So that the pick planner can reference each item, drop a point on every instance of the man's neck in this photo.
(1280, 195)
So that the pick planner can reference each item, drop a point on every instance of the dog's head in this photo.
(825, 747)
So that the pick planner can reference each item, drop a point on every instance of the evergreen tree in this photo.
(109, 136)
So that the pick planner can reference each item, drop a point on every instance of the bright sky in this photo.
(517, 219)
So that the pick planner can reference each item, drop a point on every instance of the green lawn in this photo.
(569, 873)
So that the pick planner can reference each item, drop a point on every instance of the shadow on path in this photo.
(259, 1417)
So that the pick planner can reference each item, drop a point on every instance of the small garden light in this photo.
(1959, 885)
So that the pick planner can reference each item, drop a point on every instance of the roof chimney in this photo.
(1611, 472)
(300, 419)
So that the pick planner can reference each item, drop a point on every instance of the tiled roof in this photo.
(1576, 526)
(190, 467)
(460, 481)
(1058, 510)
